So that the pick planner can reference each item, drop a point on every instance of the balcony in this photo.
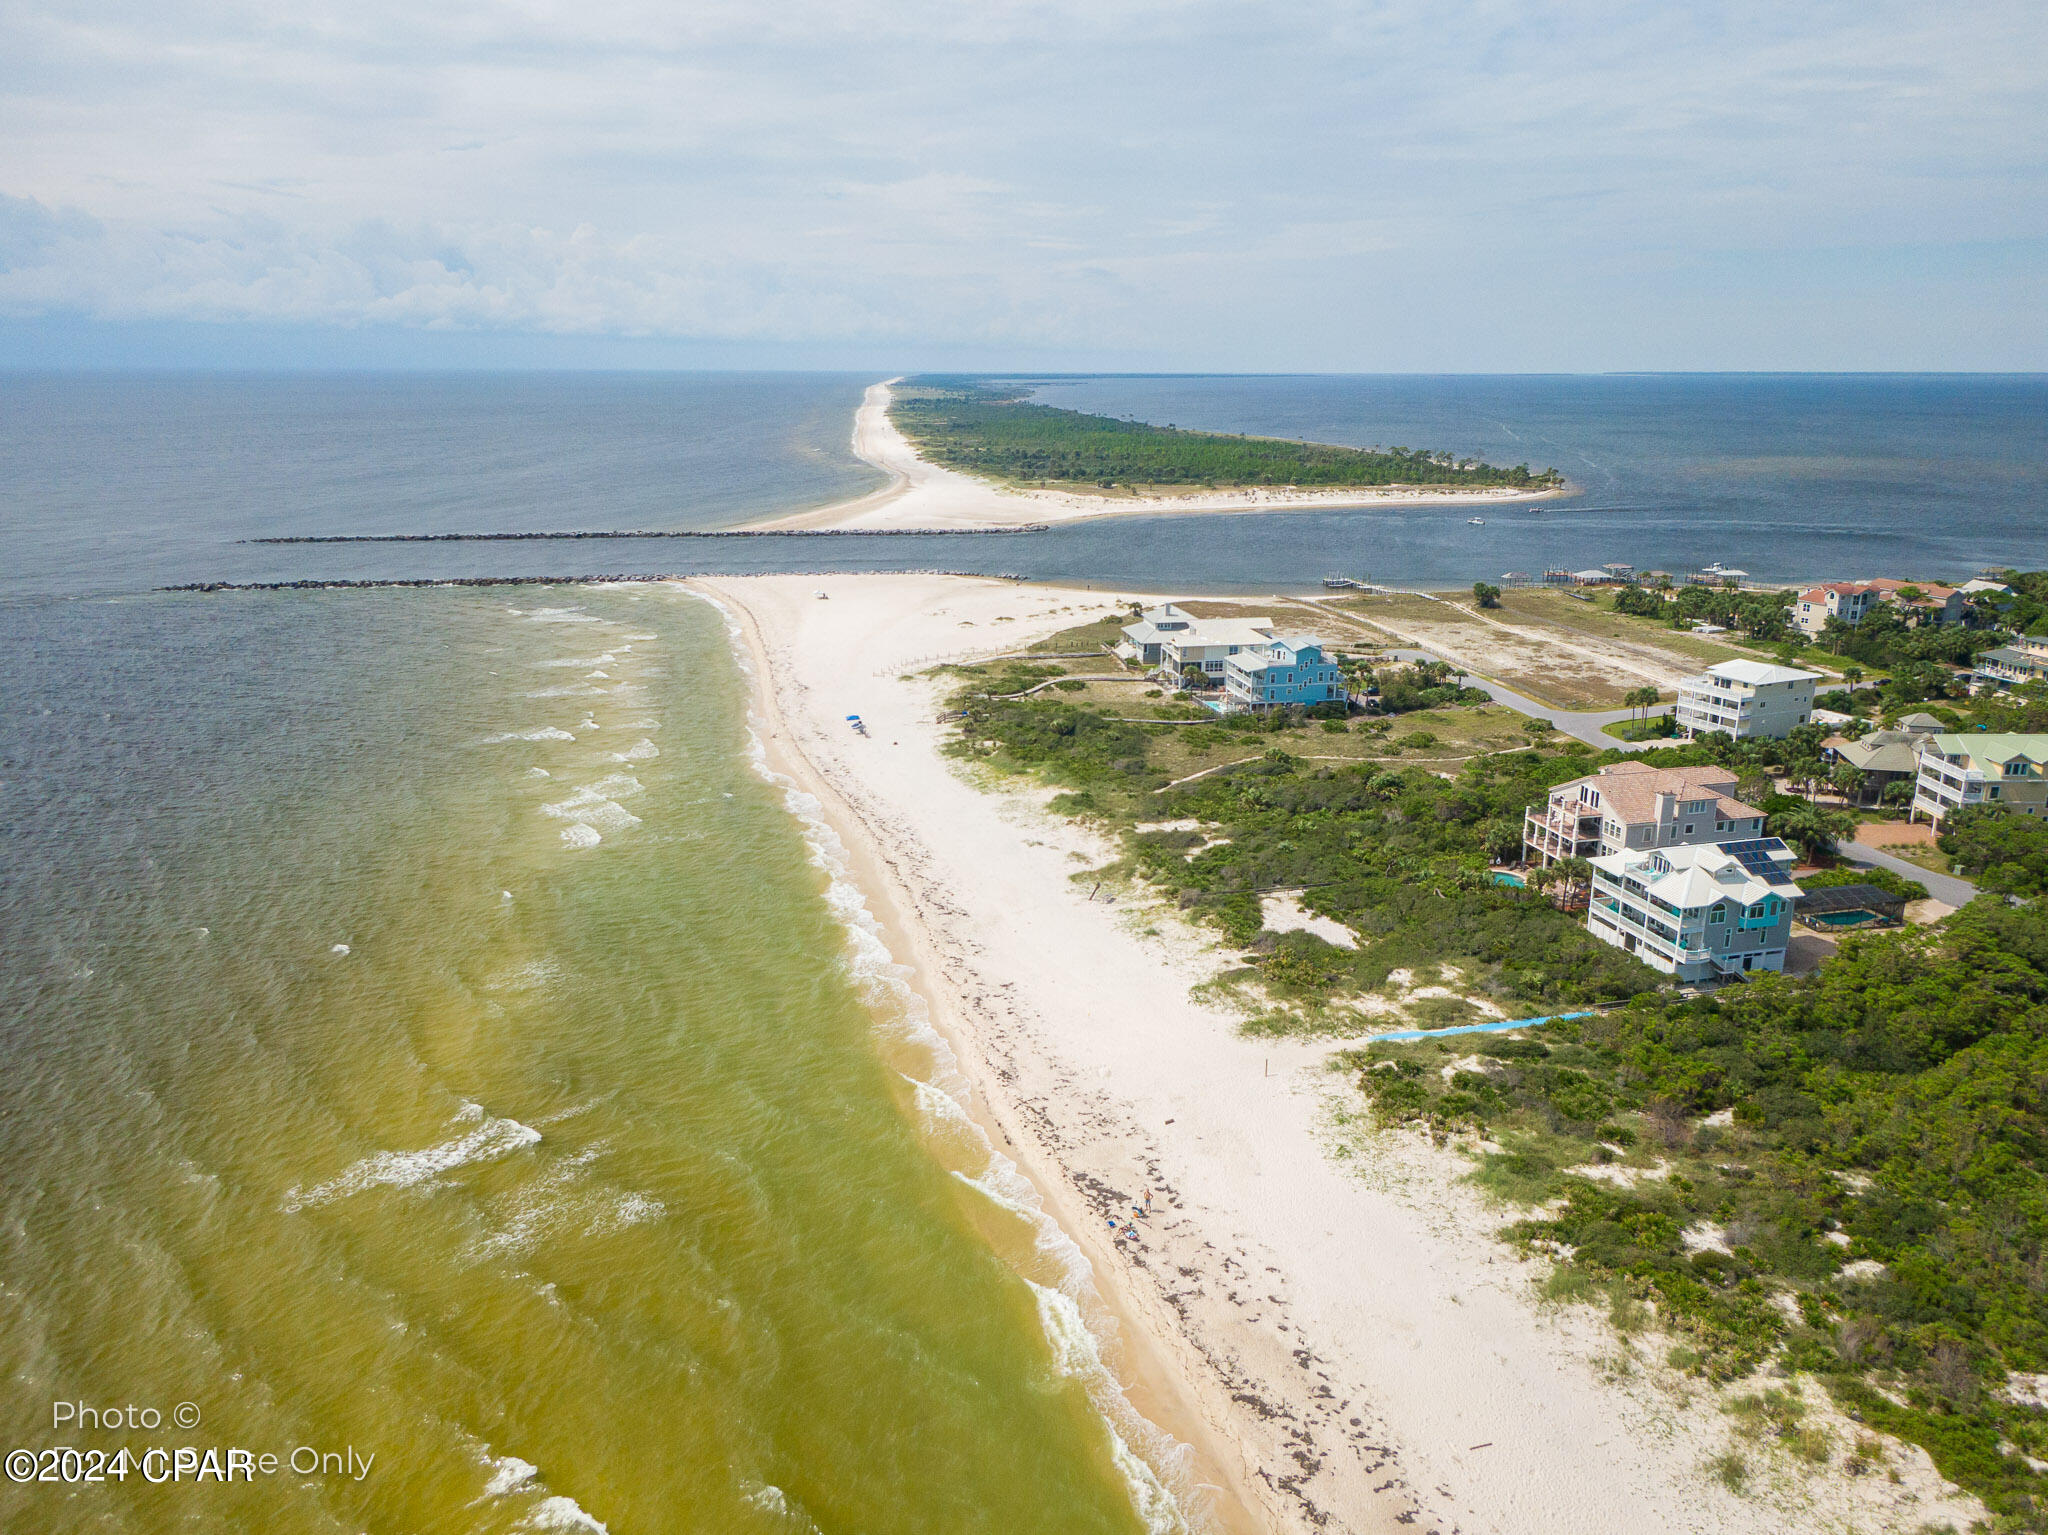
(1555, 837)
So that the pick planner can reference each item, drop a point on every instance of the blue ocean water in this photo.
(1786, 476)
(123, 483)
(116, 482)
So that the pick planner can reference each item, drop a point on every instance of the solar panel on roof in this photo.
(1756, 857)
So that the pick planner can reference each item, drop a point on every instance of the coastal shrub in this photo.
(1441, 1012)
(2009, 851)
(1520, 1177)
(1730, 1470)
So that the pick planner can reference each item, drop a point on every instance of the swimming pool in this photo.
(1841, 918)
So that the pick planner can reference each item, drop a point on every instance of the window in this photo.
(1718, 914)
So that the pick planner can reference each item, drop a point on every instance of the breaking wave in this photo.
(487, 1139)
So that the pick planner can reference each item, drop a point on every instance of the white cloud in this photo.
(1190, 177)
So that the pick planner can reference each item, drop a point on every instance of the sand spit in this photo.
(1320, 1312)
(924, 495)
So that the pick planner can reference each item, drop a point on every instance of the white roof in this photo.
(1761, 674)
(1224, 631)
(1698, 876)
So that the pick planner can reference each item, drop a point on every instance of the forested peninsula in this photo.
(994, 431)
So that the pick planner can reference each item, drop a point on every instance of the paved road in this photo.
(1943, 887)
(1580, 726)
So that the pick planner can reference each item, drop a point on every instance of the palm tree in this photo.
(1576, 875)
(1812, 830)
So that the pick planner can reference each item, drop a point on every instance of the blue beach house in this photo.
(1287, 669)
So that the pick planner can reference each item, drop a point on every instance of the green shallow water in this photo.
(588, 1188)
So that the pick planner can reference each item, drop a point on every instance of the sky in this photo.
(1410, 186)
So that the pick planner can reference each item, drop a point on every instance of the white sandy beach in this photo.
(1338, 1336)
(923, 495)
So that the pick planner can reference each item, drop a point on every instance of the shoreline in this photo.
(1155, 1386)
(924, 497)
(1323, 1316)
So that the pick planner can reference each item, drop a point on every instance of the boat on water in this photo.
(1480, 521)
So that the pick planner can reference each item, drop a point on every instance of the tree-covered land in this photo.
(1758, 615)
(2006, 851)
(981, 429)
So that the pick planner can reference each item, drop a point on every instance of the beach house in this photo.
(1846, 600)
(1959, 771)
(2009, 666)
(1924, 602)
(1632, 806)
(1883, 757)
(1996, 596)
(1746, 699)
(1208, 645)
(1698, 913)
(1288, 669)
(1141, 640)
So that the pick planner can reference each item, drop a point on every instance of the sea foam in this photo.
(487, 1139)
(560, 1513)
(544, 733)
(508, 1474)
(596, 805)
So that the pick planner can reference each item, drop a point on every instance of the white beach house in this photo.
(1746, 699)
(1141, 640)
(1697, 913)
(1208, 645)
